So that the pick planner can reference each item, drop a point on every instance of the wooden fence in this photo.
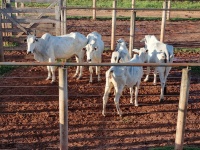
(17, 22)
(63, 95)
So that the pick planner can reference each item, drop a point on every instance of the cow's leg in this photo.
(117, 97)
(98, 72)
(136, 93)
(162, 82)
(77, 68)
(79, 59)
(53, 69)
(108, 87)
(131, 93)
(147, 74)
(154, 80)
(49, 73)
(91, 72)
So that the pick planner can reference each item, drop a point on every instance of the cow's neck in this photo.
(41, 46)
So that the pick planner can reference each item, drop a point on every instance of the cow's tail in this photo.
(109, 73)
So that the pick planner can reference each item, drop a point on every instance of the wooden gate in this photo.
(20, 17)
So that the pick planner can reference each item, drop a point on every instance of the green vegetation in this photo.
(172, 148)
(186, 50)
(195, 70)
(185, 4)
(5, 69)
(138, 4)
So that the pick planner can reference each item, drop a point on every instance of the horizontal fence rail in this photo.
(136, 9)
(99, 64)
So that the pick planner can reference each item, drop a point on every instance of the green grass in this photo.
(138, 4)
(6, 69)
(186, 50)
(172, 148)
(185, 4)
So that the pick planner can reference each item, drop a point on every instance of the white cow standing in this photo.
(121, 76)
(94, 51)
(48, 48)
(158, 52)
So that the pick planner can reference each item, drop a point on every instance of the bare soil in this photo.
(29, 116)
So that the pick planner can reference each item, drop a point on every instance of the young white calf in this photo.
(94, 51)
(121, 76)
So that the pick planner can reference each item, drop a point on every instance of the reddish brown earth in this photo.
(29, 116)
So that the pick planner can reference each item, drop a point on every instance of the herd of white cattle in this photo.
(48, 48)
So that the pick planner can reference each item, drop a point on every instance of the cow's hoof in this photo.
(161, 100)
(78, 78)
(145, 80)
(103, 113)
(48, 78)
(53, 81)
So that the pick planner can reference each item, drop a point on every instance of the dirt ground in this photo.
(29, 116)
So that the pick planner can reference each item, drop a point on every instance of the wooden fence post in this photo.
(57, 17)
(163, 22)
(63, 19)
(63, 108)
(113, 25)
(94, 9)
(132, 29)
(169, 7)
(16, 6)
(22, 6)
(1, 41)
(182, 109)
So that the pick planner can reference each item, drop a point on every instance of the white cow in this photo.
(158, 52)
(123, 50)
(121, 76)
(94, 51)
(48, 48)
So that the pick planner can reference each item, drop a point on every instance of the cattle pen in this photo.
(64, 97)
(35, 114)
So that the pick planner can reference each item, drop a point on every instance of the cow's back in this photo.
(94, 34)
(66, 46)
(134, 73)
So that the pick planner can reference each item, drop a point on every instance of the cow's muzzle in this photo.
(89, 60)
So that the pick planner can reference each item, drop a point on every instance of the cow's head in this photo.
(90, 50)
(149, 40)
(31, 43)
(120, 42)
